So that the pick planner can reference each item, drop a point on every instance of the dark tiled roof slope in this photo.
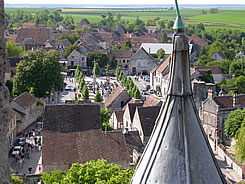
(72, 118)
(25, 100)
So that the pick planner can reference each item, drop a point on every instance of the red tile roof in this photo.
(67, 148)
(227, 101)
(164, 65)
(25, 100)
(198, 41)
(214, 69)
(122, 53)
(38, 35)
(113, 95)
(151, 101)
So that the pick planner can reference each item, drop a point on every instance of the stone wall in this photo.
(4, 106)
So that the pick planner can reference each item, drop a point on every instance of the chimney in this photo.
(235, 99)
(149, 50)
(210, 93)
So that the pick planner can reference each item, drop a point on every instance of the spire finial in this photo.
(178, 22)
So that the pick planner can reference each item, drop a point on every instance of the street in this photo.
(20, 166)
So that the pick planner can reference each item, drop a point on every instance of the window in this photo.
(122, 103)
(72, 57)
(72, 63)
(82, 58)
(126, 124)
(124, 61)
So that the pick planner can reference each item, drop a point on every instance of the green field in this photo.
(225, 19)
(232, 17)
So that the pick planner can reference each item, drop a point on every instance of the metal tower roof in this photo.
(178, 151)
(178, 24)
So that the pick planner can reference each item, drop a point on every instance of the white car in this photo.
(16, 150)
(68, 88)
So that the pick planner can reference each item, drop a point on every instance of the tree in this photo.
(81, 84)
(108, 72)
(85, 93)
(12, 50)
(39, 72)
(240, 144)
(127, 45)
(70, 49)
(78, 72)
(91, 172)
(105, 115)
(164, 38)
(160, 53)
(137, 94)
(233, 122)
(55, 176)
(100, 57)
(98, 97)
(16, 180)
(240, 84)
(96, 69)
(9, 84)
(170, 24)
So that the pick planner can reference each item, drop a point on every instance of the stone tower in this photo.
(4, 105)
(178, 151)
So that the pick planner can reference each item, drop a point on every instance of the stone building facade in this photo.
(4, 106)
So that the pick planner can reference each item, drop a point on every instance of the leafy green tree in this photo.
(233, 122)
(85, 92)
(55, 176)
(240, 144)
(12, 50)
(96, 69)
(16, 180)
(97, 172)
(39, 72)
(100, 57)
(105, 115)
(98, 97)
(204, 60)
(225, 65)
(170, 24)
(160, 53)
(240, 84)
(127, 45)
(137, 94)
(108, 70)
(139, 22)
(78, 72)
(81, 84)
(164, 38)
(70, 49)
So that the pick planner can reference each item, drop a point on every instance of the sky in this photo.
(123, 2)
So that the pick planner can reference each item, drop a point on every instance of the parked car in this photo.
(21, 141)
(68, 88)
(151, 91)
(16, 150)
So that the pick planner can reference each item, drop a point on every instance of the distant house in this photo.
(219, 56)
(62, 45)
(116, 119)
(129, 115)
(78, 138)
(217, 73)
(11, 127)
(117, 99)
(82, 23)
(121, 29)
(62, 27)
(214, 111)
(49, 45)
(26, 110)
(33, 38)
(121, 57)
(196, 44)
(141, 63)
(240, 55)
(144, 121)
(76, 58)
